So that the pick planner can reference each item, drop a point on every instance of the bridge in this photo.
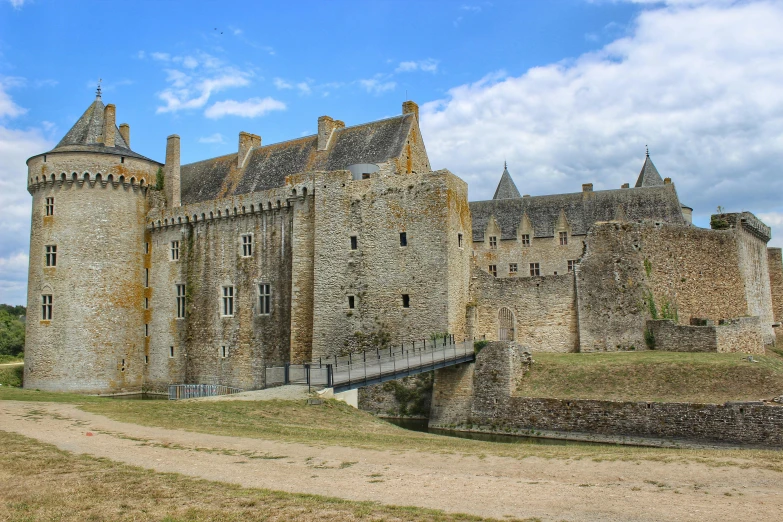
(356, 370)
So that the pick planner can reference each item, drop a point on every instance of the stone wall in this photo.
(630, 268)
(489, 403)
(379, 271)
(775, 262)
(210, 257)
(409, 397)
(94, 342)
(544, 309)
(741, 335)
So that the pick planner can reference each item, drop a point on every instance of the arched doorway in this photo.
(505, 324)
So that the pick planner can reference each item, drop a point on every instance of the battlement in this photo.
(745, 220)
(91, 180)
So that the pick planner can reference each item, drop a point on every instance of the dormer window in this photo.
(525, 239)
(493, 241)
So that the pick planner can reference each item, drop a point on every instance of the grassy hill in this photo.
(654, 376)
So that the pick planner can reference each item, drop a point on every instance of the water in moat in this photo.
(421, 425)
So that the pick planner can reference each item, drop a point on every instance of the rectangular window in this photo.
(51, 255)
(365, 175)
(493, 241)
(563, 238)
(223, 352)
(49, 206)
(354, 242)
(46, 307)
(171, 351)
(535, 269)
(180, 301)
(571, 265)
(247, 245)
(175, 250)
(406, 301)
(146, 278)
(403, 239)
(351, 302)
(459, 240)
(228, 301)
(264, 299)
(512, 268)
(493, 269)
(525, 239)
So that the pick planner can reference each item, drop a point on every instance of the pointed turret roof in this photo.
(649, 176)
(86, 135)
(506, 188)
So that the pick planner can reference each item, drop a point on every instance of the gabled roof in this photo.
(86, 135)
(506, 188)
(267, 166)
(649, 177)
(581, 209)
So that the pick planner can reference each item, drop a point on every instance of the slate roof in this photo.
(268, 166)
(506, 188)
(87, 135)
(649, 177)
(582, 209)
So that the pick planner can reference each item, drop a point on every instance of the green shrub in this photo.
(160, 180)
(649, 339)
(479, 345)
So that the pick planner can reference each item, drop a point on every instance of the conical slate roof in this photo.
(649, 176)
(506, 188)
(87, 135)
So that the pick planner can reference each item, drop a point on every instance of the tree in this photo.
(11, 329)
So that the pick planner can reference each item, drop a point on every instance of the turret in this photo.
(86, 284)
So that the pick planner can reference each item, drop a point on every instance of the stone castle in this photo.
(144, 274)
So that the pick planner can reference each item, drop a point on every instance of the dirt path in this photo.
(553, 490)
(12, 364)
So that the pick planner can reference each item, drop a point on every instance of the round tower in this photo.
(88, 279)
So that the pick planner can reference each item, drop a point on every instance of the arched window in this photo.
(505, 324)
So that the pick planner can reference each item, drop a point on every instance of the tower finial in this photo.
(648, 150)
(505, 165)
(98, 92)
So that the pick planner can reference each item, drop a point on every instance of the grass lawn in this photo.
(654, 376)
(40, 482)
(11, 358)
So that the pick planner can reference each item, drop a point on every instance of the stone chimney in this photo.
(125, 133)
(625, 185)
(247, 142)
(587, 187)
(667, 181)
(326, 127)
(171, 172)
(109, 124)
(410, 107)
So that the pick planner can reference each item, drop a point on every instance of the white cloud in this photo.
(214, 138)
(252, 108)
(428, 65)
(189, 62)
(9, 109)
(282, 84)
(377, 86)
(302, 87)
(17, 4)
(163, 57)
(700, 85)
(16, 145)
(189, 92)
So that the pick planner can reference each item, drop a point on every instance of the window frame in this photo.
(264, 298)
(174, 255)
(406, 300)
(493, 242)
(354, 242)
(535, 269)
(563, 238)
(493, 270)
(50, 256)
(525, 238)
(571, 263)
(227, 308)
(49, 206)
(181, 301)
(403, 239)
(247, 245)
(513, 268)
(47, 307)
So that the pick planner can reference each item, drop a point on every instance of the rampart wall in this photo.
(740, 335)
(775, 262)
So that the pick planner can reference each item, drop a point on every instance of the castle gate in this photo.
(505, 324)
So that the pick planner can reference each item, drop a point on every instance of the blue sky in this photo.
(569, 92)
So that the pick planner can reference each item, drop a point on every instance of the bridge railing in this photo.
(191, 391)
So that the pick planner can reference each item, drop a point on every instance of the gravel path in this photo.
(553, 490)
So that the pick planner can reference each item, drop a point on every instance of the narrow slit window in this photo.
(46, 307)
(493, 269)
(525, 239)
(146, 359)
(175, 250)
(180, 301)
(512, 268)
(563, 238)
(228, 301)
(146, 247)
(223, 352)
(247, 245)
(406, 301)
(493, 241)
(146, 278)
(459, 240)
(535, 269)
(351, 302)
(354, 242)
(51, 255)
(49, 206)
(146, 303)
(146, 330)
(264, 299)
(171, 351)
(122, 366)
(403, 239)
